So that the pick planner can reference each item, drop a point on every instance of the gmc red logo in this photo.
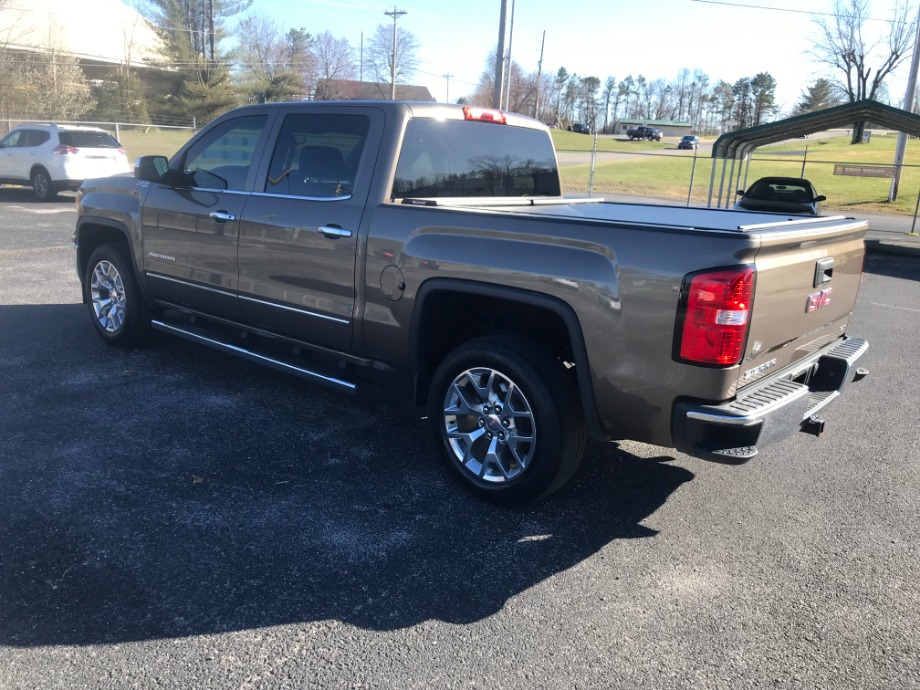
(818, 300)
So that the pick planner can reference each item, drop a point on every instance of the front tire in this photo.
(507, 418)
(116, 306)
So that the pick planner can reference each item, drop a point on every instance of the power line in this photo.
(783, 9)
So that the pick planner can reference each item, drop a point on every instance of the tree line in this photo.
(566, 98)
(200, 77)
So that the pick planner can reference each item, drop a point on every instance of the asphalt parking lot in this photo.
(175, 518)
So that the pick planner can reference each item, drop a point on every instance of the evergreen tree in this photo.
(192, 31)
(820, 95)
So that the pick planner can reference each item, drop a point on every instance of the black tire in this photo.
(520, 444)
(117, 309)
(42, 185)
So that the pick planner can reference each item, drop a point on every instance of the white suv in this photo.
(50, 158)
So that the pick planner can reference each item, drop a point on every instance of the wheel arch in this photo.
(542, 317)
(92, 233)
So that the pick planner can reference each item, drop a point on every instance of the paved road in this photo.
(174, 518)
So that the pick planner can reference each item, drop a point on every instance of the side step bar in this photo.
(189, 332)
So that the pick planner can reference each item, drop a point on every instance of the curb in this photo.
(885, 248)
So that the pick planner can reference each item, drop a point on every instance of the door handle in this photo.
(221, 216)
(333, 232)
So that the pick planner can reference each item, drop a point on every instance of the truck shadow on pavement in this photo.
(173, 491)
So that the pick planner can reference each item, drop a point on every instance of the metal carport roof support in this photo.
(740, 144)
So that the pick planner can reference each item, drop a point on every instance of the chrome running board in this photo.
(189, 332)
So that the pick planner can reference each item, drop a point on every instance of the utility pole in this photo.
(447, 88)
(396, 13)
(536, 98)
(499, 88)
(508, 60)
(909, 107)
(361, 69)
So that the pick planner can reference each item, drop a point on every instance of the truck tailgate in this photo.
(808, 276)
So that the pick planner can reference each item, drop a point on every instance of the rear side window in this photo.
(88, 140)
(456, 158)
(317, 155)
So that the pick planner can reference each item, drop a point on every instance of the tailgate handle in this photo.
(824, 271)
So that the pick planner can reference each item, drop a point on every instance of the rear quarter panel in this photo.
(623, 283)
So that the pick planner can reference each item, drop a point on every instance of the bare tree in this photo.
(273, 64)
(862, 64)
(522, 91)
(380, 55)
(335, 61)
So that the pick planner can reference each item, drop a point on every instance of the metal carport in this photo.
(736, 147)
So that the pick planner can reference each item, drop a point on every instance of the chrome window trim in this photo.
(304, 312)
(212, 189)
(188, 284)
(274, 195)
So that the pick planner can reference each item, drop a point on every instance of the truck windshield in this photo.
(456, 158)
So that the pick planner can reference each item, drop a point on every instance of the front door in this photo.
(299, 233)
(191, 229)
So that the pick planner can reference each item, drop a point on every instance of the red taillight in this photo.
(717, 311)
(484, 114)
(64, 149)
(122, 151)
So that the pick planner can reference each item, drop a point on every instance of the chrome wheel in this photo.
(107, 292)
(489, 425)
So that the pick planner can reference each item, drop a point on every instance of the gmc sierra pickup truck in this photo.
(345, 241)
(648, 133)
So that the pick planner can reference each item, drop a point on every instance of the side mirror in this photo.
(820, 197)
(151, 168)
(740, 192)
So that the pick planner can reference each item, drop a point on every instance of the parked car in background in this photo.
(50, 158)
(689, 141)
(580, 128)
(781, 195)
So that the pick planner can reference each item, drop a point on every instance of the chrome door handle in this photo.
(333, 232)
(221, 216)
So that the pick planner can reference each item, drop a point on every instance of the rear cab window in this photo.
(459, 158)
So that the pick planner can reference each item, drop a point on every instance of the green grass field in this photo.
(668, 176)
(164, 142)
(652, 173)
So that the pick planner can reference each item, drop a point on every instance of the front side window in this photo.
(317, 155)
(456, 158)
(11, 139)
(221, 158)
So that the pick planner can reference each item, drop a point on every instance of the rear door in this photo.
(191, 229)
(299, 232)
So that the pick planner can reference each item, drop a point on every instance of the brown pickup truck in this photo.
(345, 241)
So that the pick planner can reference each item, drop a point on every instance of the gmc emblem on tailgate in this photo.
(818, 299)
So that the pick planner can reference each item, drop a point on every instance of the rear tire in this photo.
(116, 305)
(42, 186)
(507, 418)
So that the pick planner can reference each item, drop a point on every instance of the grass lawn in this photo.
(572, 141)
(164, 142)
(669, 176)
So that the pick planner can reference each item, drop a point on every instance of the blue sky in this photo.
(590, 38)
